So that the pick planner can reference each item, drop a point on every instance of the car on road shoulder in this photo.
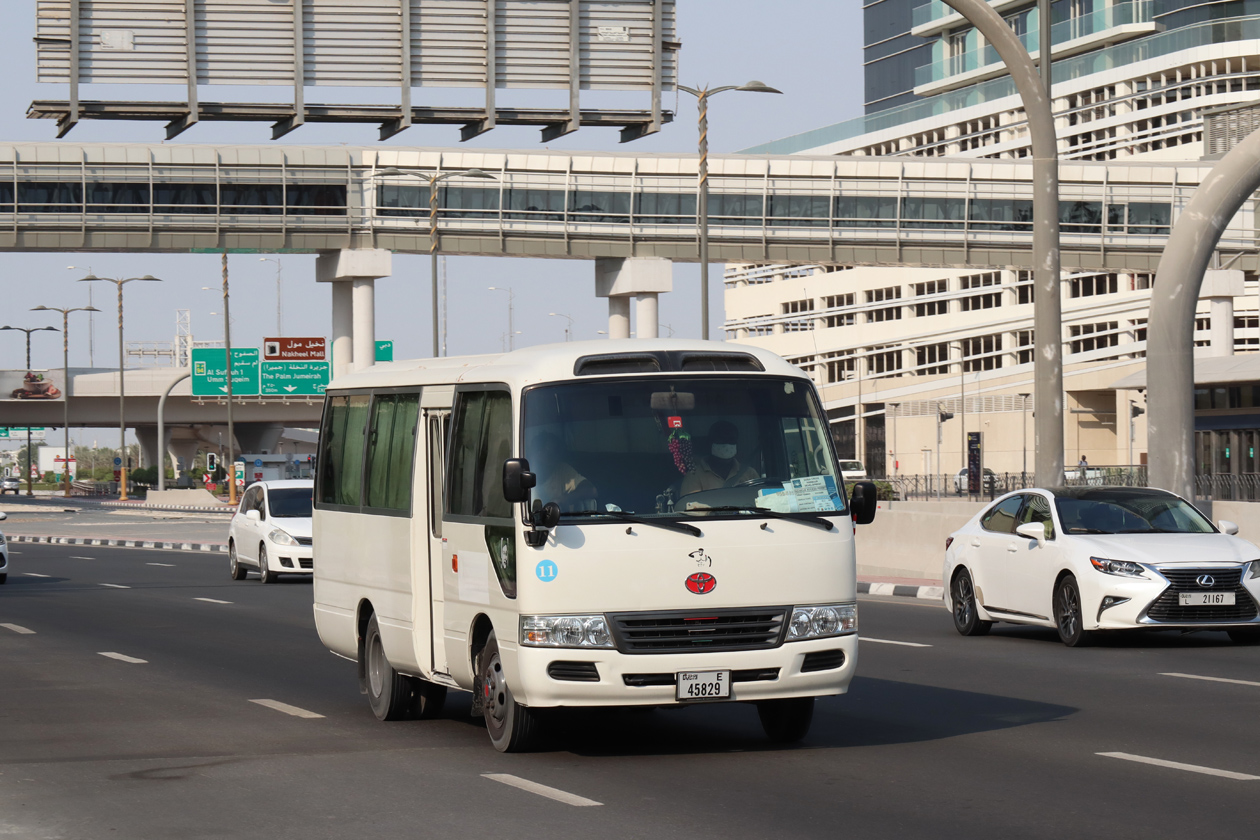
(852, 471)
(961, 481)
(1085, 559)
(4, 553)
(10, 484)
(271, 531)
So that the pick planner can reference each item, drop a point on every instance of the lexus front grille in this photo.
(1167, 608)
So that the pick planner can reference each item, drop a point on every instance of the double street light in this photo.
(511, 333)
(702, 101)
(433, 181)
(122, 361)
(65, 362)
(29, 457)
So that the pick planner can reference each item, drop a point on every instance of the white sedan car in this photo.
(271, 530)
(1083, 559)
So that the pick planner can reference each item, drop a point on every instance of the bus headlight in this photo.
(822, 621)
(571, 631)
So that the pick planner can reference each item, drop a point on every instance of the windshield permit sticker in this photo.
(703, 561)
(815, 494)
(546, 570)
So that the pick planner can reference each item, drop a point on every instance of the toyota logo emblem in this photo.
(1206, 581)
(701, 583)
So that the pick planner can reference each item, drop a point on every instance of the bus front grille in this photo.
(699, 630)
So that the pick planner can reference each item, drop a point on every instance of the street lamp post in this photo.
(28, 330)
(279, 305)
(568, 328)
(91, 320)
(65, 360)
(511, 298)
(1023, 476)
(433, 228)
(895, 410)
(122, 394)
(702, 103)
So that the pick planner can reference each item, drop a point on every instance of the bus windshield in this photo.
(677, 447)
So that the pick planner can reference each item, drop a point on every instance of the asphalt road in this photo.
(951, 737)
(43, 517)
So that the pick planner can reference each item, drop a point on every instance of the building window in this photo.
(1024, 345)
(1023, 287)
(1139, 329)
(984, 352)
(1141, 281)
(989, 300)
(1094, 284)
(883, 361)
(931, 307)
(1086, 337)
(892, 313)
(931, 359)
(845, 319)
(841, 366)
(805, 363)
(795, 307)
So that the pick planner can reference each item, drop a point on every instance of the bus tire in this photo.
(427, 699)
(512, 727)
(389, 692)
(786, 721)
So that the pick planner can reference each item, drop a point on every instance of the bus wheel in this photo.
(512, 727)
(389, 692)
(427, 699)
(786, 721)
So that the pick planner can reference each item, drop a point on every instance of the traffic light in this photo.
(212, 462)
(1136, 411)
(946, 415)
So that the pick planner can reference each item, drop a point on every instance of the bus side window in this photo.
(341, 450)
(391, 447)
(480, 442)
(438, 426)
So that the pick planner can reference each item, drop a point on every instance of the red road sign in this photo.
(295, 349)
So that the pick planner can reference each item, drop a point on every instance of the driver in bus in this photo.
(558, 481)
(720, 468)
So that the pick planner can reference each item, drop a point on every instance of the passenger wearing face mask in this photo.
(720, 468)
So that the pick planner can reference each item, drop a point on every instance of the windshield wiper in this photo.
(642, 520)
(777, 514)
(1087, 531)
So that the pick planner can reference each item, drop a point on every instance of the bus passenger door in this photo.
(436, 423)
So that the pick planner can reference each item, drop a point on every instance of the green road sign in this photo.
(209, 371)
(294, 379)
(20, 431)
(384, 351)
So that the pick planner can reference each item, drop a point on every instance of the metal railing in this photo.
(953, 487)
(1228, 487)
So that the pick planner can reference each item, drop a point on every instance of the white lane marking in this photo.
(115, 586)
(542, 790)
(212, 600)
(72, 557)
(19, 629)
(172, 565)
(1212, 679)
(36, 574)
(1177, 765)
(890, 642)
(285, 707)
(122, 657)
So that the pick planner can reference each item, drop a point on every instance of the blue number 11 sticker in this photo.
(547, 571)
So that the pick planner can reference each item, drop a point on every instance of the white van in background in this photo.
(609, 523)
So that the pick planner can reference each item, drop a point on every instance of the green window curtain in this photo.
(348, 451)
(391, 449)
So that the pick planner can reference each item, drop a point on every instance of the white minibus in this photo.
(612, 523)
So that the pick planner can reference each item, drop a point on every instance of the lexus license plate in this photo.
(1205, 599)
(704, 685)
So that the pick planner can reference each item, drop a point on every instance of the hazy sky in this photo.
(810, 49)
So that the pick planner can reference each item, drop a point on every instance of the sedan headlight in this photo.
(1123, 568)
(571, 631)
(822, 621)
(1255, 564)
(281, 538)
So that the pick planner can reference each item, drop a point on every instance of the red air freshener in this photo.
(675, 422)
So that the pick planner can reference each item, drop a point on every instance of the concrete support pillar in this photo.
(647, 316)
(183, 452)
(619, 316)
(620, 279)
(259, 438)
(352, 274)
(364, 322)
(342, 328)
(147, 437)
(1220, 287)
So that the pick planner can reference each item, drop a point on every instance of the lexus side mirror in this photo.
(1228, 527)
(253, 515)
(1033, 531)
(3, 515)
(862, 503)
(517, 480)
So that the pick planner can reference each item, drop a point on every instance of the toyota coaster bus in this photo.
(612, 523)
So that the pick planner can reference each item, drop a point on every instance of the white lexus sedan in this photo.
(271, 531)
(1084, 559)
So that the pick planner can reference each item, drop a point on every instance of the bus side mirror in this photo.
(862, 504)
(517, 480)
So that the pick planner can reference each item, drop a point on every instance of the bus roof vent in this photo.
(612, 363)
(717, 361)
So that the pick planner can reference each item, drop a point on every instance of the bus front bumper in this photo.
(556, 677)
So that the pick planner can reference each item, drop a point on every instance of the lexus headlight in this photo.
(571, 631)
(281, 538)
(1118, 567)
(822, 621)
(1255, 564)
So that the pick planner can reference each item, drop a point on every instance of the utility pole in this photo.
(227, 349)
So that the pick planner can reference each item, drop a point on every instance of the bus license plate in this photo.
(1205, 599)
(704, 685)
